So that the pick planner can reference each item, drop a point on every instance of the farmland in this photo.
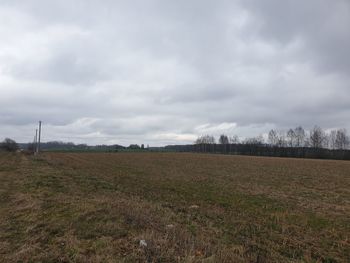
(97, 207)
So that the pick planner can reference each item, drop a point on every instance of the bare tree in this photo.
(205, 139)
(9, 145)
(223, 139)
(317, 137)
(291, 138)
(332, 139)
(326, 142)
(234, 139)
(299, 136)
(273, 137)
(281, 139)
(199, 140)
(259, 140)
(341, 140)
(205, 142)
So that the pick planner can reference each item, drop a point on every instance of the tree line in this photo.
(297, 137)
(296, 142)
(10, 145)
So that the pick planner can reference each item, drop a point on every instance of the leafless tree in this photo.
(317, 137)
(205, 139)
(199, 140)
(326, 142)
(332, 139)
(205, 142)
(281, 139)
(223, 139)
(341, 139)
(234, 139)
(273, 137)
(299, 136)
(291, 138)
(259, 140)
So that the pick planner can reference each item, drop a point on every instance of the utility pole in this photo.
(35, 142)
(38, 138)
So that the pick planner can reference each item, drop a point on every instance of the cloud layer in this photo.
(163, 72)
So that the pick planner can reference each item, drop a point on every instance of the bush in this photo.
(9, 145)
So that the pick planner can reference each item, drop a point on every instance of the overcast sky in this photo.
(163, 71)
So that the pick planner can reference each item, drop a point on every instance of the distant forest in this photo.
(298, 137)
(297, 143)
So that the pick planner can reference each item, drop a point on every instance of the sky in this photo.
(163, 72)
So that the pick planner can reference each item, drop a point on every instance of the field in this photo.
(97, 207)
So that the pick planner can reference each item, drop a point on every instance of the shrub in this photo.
(9, 145)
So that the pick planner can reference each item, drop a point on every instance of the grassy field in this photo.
(95, 207)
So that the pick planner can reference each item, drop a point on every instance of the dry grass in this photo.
(86, 207)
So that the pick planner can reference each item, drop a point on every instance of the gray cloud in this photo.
(163, 72)
(321, 27)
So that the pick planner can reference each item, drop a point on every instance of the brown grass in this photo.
(66, 207)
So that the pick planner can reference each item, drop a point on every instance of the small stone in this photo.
(143, 243)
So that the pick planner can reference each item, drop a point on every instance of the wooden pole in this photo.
(39, 136)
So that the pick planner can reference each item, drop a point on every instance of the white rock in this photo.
(143, 243)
